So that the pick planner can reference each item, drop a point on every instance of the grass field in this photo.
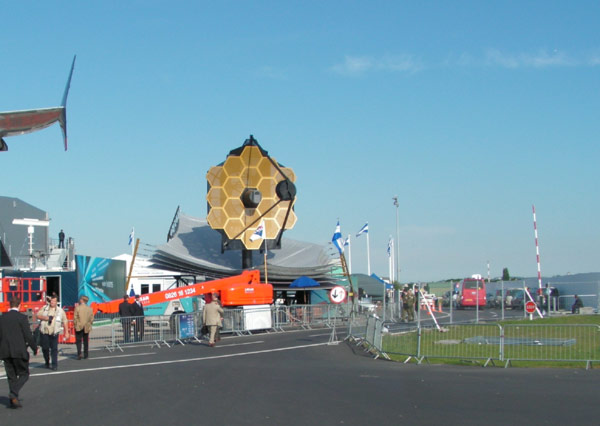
(550, 342)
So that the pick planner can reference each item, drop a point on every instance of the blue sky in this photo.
(470, 112)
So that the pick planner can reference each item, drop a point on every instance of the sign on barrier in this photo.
(187, 326)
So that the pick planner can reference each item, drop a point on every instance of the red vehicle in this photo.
(32, 292)
(471, 293)
(239, 290)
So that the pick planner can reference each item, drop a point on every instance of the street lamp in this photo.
(395, 198)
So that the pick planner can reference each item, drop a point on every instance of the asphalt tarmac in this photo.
(293, 378)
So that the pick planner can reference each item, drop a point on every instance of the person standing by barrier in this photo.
(212, 316)
(405, 305)
(82, 321)
(15, 336)
(54, 321)
(416, 297)
(411, 305)
(137, 311)
(125, 314)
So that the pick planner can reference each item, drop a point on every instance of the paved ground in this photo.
(293, 378)
(456, 316)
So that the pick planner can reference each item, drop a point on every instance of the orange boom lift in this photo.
(239, 290)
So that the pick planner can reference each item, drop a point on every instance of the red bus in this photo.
(471, 293)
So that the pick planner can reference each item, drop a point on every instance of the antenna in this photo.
(30, 223)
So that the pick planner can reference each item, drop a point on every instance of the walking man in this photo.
(54, 321)
(82, 321)
(212, 315)
(15, 336)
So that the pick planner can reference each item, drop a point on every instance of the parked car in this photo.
(515, 298)
(366, 304)
(496, 299)
(446, 297)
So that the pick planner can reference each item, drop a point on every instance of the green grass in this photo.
(449, 347)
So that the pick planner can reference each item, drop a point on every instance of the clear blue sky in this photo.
(470, 112)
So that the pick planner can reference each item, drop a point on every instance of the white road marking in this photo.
(177, 361)
(240, 344)
(123, 356)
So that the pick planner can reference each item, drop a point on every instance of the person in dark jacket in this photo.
(577, 305)
(137, 311)
(15, 336)
(61, 239)
(125, 312)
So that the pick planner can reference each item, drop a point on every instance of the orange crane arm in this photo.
(243, 289)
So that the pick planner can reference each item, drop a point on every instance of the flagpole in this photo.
(368, 256)
(132, 239)
(349, 255)
(137, 243)
(393, 275)
(391, 262)
(390, 268)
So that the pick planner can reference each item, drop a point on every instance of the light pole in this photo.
(397, 248)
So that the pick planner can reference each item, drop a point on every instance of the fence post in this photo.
(419, 341)
(451, 301)
(502, 299)
(501, 355)
(113, 334)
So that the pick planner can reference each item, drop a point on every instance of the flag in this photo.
(390, 245)
(131, 237)
(337, 238)
(259, 234)
(347, 241)
(363, 230)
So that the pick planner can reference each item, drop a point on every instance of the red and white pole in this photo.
(537, 249)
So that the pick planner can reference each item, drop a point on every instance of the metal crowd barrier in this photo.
(531, 342)
(489, 342)
(114, 333)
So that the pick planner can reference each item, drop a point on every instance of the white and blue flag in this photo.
(363, 230)
(390, 246)
(337, 238)
(259, 234)
(131, 236)
(347, 241)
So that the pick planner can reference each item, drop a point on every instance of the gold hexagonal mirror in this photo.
(247, 189)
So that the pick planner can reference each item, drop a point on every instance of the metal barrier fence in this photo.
(551, 342)
(488, 342)
(113, 332)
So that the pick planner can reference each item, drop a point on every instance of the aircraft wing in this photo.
(13, 123)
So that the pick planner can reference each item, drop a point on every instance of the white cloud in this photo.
(594, 60)
(406, 63)
(541, 59)
(358, 65)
